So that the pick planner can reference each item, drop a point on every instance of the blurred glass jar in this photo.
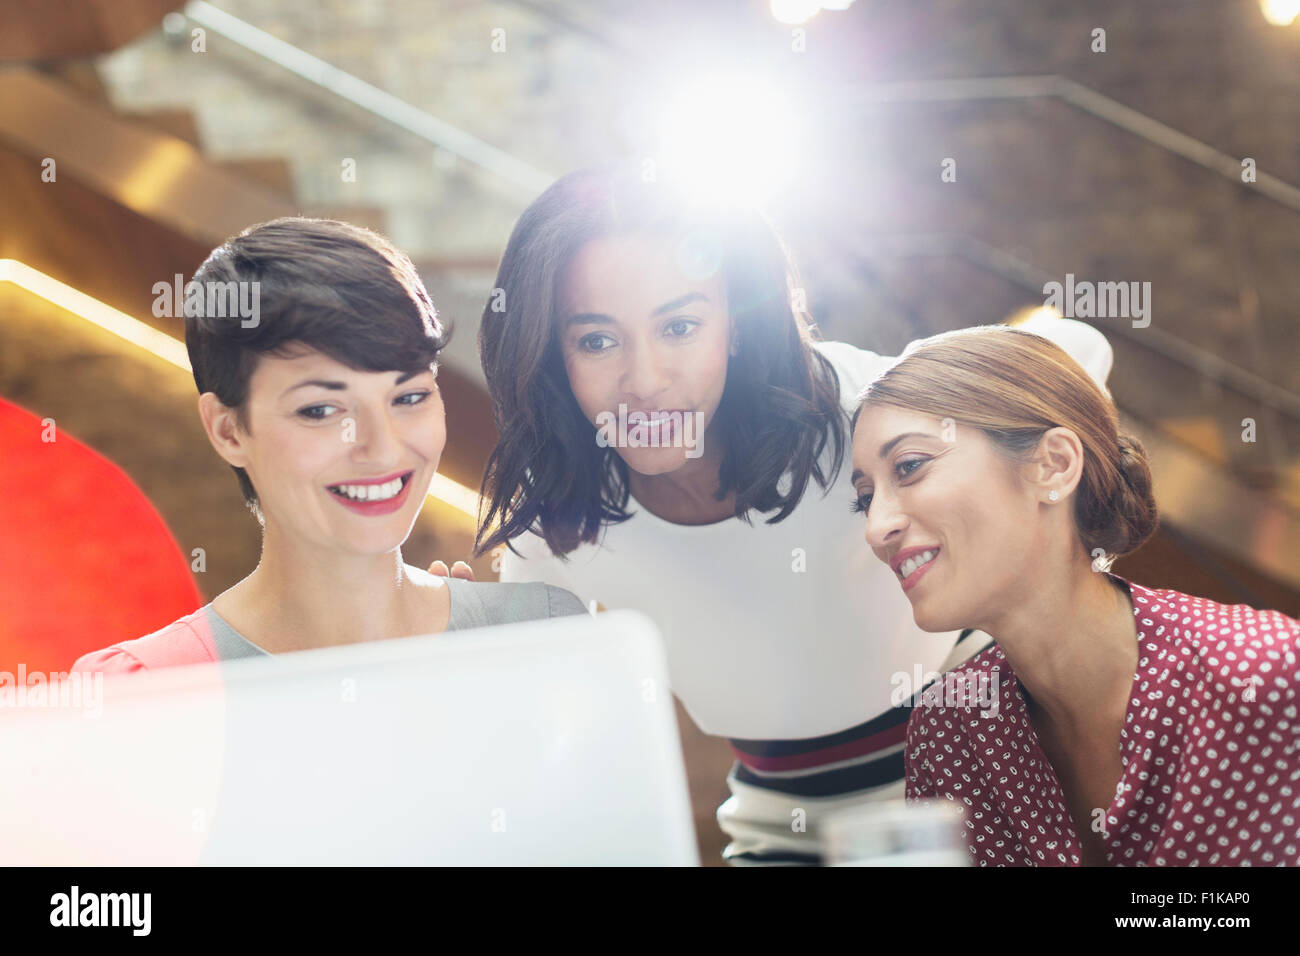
(896, 833)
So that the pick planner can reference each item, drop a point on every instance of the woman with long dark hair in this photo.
(664, 411)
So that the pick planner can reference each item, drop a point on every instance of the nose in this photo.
(885, 522)
(378, 444)
(647, 374)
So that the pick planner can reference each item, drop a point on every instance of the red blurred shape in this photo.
(85, 558)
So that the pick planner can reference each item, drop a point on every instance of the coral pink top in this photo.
(1210, 746)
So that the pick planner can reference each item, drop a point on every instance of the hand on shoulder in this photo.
(458, 570)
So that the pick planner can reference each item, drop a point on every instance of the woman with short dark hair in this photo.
(324, 400)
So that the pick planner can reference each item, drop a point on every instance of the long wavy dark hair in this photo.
(779, 410)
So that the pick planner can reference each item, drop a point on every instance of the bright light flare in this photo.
(794, 12)
(731, 138)
(1033, 312)
(1280, 13)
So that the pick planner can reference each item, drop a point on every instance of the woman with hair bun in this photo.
(1108, 723)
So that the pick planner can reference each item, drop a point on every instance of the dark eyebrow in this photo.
(680, 301)
(342, 386)
(336, 386)
(589, 318)
(599, 318)
(884, 450)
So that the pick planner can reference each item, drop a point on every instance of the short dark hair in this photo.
(780, 408)
(338, 288)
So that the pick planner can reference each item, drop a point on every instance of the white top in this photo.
(788, 630)
(774, 632)
(757, 647)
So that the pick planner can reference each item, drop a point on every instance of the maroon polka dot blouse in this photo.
(1210, 746)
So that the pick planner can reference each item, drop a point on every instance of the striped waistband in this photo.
(860, 758)
(868, 755)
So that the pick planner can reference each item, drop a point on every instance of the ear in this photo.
(1058, 464)
(223, 431)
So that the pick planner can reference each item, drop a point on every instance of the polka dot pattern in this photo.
(1210, 746)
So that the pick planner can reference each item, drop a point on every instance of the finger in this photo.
(439, 567)
(462, 570)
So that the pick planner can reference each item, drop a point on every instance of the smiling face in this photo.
(636, 329)
(948, 512)
(341, 459)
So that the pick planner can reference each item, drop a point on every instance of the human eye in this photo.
(589, 343)
(687, 326)
(316, 413)
(413, 398)
(860, 504)
(907, 467)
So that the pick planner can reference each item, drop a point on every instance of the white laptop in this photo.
(552, 742)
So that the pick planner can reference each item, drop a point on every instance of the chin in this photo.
(378, 539)
(655, 461)
(936, 621)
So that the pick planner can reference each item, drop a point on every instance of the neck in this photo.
(302, 597)
(1079, 672)
(687, 495)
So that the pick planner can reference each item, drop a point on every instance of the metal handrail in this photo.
(532, 180)
(1030, 277)
(528, 179)
(1096, 104)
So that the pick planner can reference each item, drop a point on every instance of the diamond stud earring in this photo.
(1052, 495)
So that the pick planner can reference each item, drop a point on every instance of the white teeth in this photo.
(371, 492)
(652, 419)
(911, 564)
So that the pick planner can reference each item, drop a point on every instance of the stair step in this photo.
(1204, 433)
(81, 75)
(32, 29)
(273, 172)
(179, 123)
